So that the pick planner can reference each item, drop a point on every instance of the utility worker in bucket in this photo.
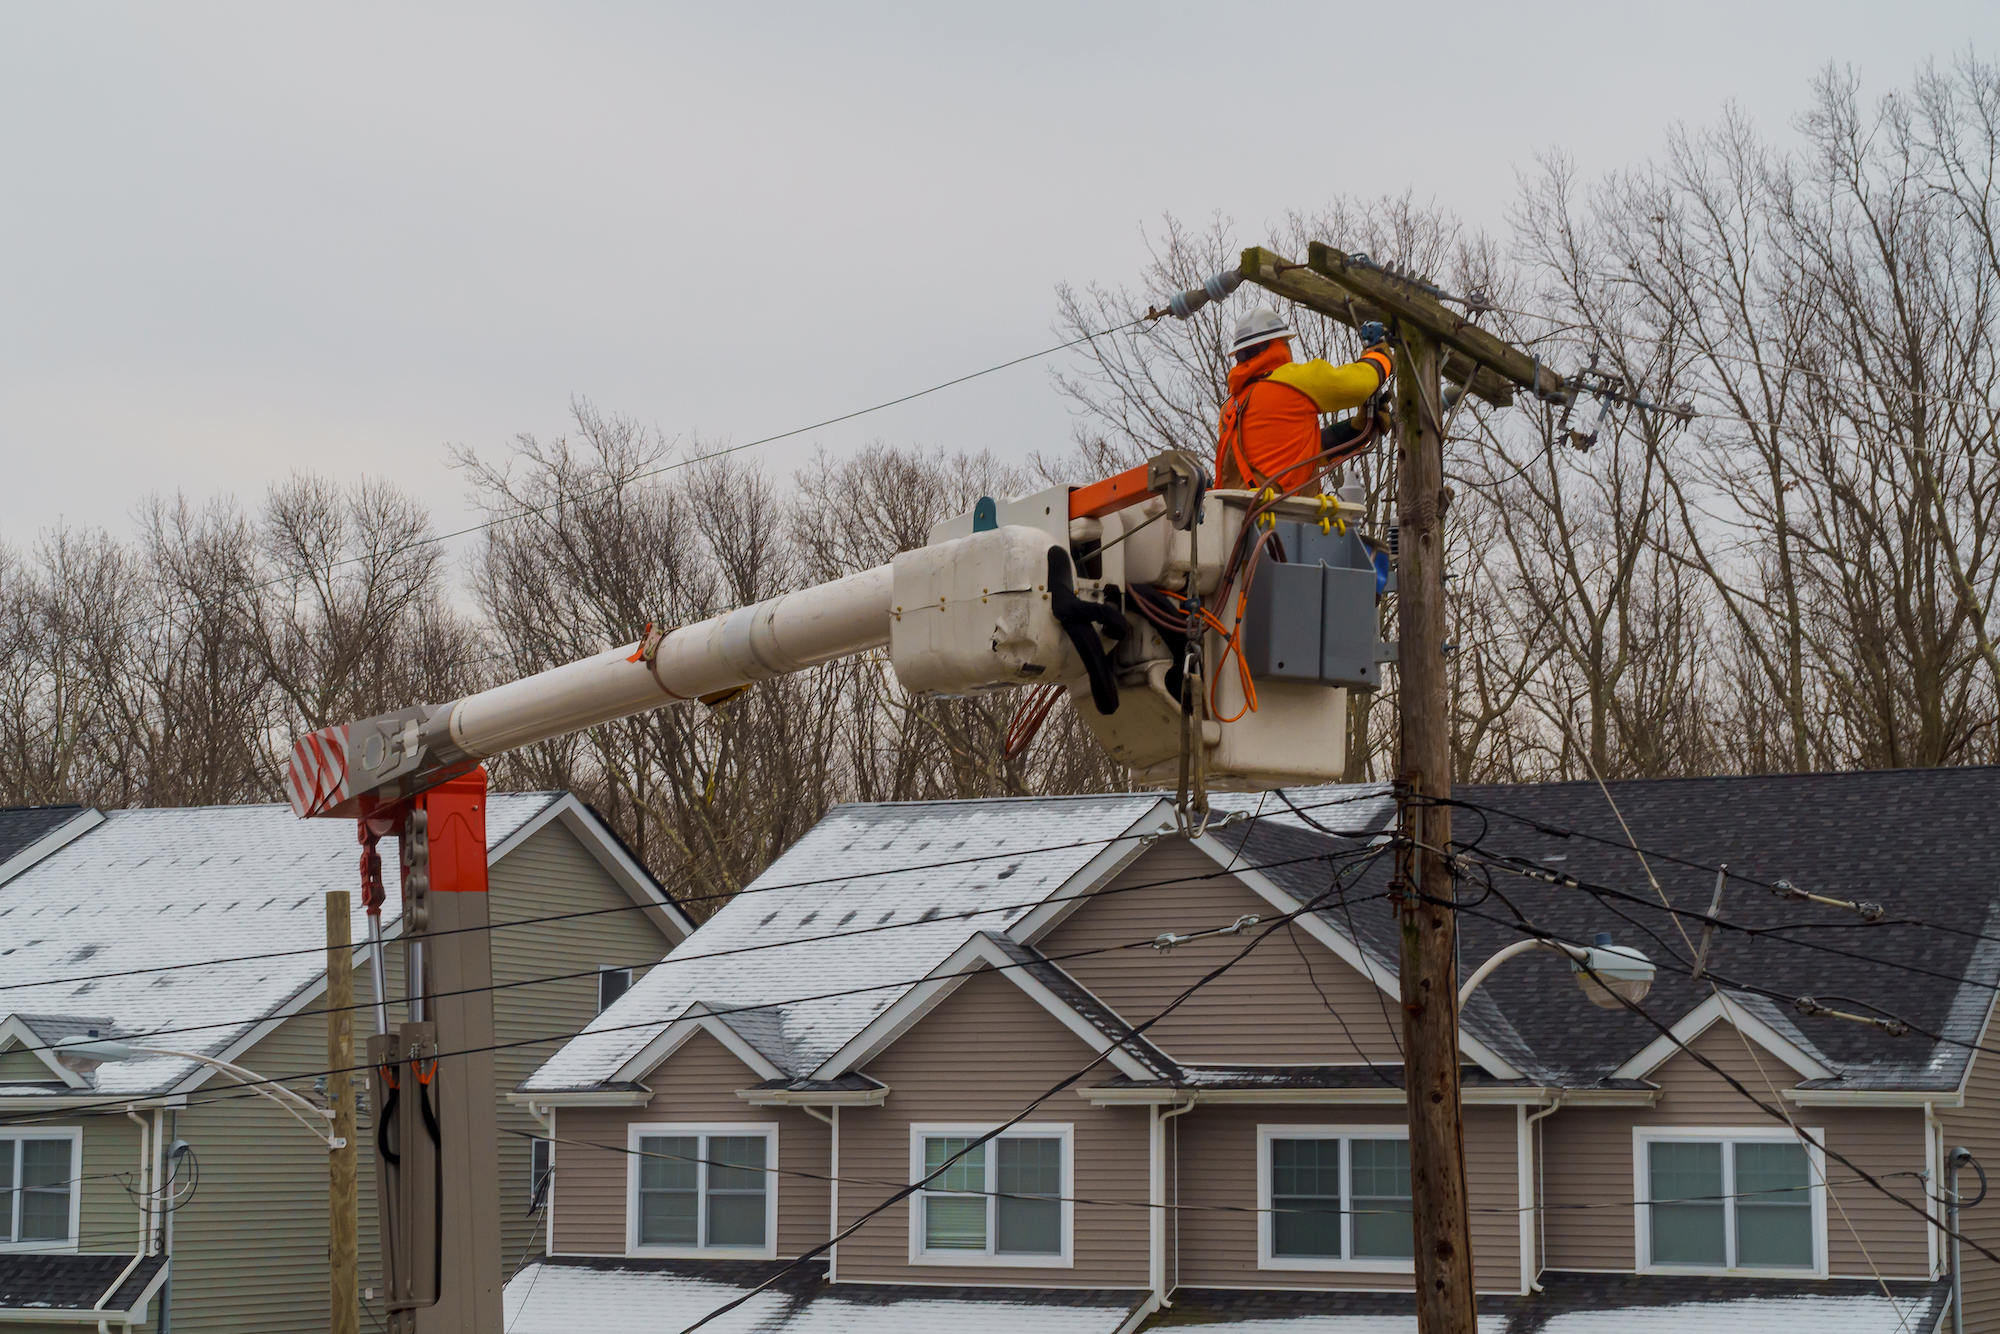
(1270, 433)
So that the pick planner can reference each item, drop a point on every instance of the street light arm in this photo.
(1519, 947)
(259, 1085)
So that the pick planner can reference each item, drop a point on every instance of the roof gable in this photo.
(205, 925)
(30, 833)
(861, 909)
(1768, 1030)
(1062, 996)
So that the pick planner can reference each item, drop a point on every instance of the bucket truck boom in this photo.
(1206, 638)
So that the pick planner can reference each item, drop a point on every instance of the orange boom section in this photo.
(1110, 495)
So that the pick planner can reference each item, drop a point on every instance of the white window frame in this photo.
(1642, 1188)
(1266, 1234)
(630, 980)
(74, 1134)
(1063, 1130)
(540, 1146)
(636, 1131)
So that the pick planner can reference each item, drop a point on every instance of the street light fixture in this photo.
(1612, 976)
(103, 1050)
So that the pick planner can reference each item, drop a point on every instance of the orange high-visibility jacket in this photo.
(1270, 425)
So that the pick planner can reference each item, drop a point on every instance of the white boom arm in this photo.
(334, 771)
(1017, 597)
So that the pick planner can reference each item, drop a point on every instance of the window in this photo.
(703, 1190)
(611, 984)
(541, 1158)
(998, 1202)
(1334, 1197)
(1720, 1200)
(38, 1196)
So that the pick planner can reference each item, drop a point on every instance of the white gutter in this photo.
(1367, 1097)
(584, 1098)
(1911, 1098)
(808, 1099)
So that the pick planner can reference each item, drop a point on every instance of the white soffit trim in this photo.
(920, 1000)
(696, 1018)
(1346, 950)
(1116, 855)
(1698, 1020)
(13, 1030)
(1915, 1099)
(633, 878)
(75, 827)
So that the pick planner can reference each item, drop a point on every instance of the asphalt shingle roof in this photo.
(21, 826)
(148, 888)
(930, 873)
(1922, 844)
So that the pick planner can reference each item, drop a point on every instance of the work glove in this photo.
(1373, 334)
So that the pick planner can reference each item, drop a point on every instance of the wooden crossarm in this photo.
(1316, 291)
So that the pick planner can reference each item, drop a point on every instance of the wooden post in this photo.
(1429, 968)
(342, 1216)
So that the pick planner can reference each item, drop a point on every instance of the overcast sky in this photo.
(238, 240)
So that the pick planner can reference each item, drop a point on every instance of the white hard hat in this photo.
(1259, 326)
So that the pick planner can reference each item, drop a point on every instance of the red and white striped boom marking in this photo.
(317, 777)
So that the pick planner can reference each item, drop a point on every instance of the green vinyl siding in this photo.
(251, 1247)
(20, 1066)
(550, 873)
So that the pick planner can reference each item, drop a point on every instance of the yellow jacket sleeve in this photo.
(1334, 388)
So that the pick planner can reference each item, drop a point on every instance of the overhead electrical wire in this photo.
(904, 1192)
(531, 511)
(657, 962)
(697, 899)
(117, 1105)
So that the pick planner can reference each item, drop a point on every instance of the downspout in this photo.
(1529, 1129)
(831, 1117)
(1158, 1200)
(1934, 1173)
(833, 1192)
(167, 1243)
(145, 1215)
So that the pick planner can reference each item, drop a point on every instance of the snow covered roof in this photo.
(132, 927)
(866, 904)
(563, 1294)
(1589, 1303)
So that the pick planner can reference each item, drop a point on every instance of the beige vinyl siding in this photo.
(1231, 1020)
(1588, 1163)
(1217, 1219)
(980, 1057)
(550, 873)
(697, 1083)
(1976, 1126)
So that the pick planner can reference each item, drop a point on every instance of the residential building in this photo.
(1200, 1040)
(204, 931)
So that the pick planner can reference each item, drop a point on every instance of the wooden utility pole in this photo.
(1432, 343)
(1429, 962)
(342, 1216)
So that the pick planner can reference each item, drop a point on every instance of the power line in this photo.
(111, 1106)
(727, 897)
(534, 510)
(905, 1192)
(1667, 1032)
(656, 963)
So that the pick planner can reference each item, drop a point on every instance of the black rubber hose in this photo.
(437, 1181)
(388, 1114)
(1079, 618)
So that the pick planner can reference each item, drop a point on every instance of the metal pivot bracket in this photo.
(1181, 481)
